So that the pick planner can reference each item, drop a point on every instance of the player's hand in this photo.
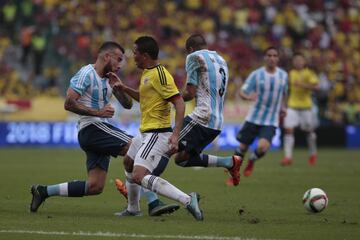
(107, 111)
(252, 97)
(114, 81)
(173, 143)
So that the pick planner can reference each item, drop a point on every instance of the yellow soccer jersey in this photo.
(156, 86)
(299, 97)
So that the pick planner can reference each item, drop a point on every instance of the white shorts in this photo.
(147, 149)
(303, 118)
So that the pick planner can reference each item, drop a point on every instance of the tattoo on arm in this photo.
(74, 106)
(124, 99)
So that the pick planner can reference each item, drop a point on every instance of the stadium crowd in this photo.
(42, 42)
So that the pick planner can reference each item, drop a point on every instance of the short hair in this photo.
(109, 46)
(147, 44)
(271, 48)
(298, 54)
(195, 41)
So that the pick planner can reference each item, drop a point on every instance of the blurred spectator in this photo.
(69, 32)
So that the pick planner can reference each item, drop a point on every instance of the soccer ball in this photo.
(315, 200)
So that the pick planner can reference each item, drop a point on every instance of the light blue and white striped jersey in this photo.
(270, 89)
(95, 92)
(209, 72)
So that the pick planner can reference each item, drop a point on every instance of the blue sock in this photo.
(68, 189)
(150, 196)
(256, 155)
(216, 161)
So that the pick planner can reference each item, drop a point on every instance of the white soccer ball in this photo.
(315, 200)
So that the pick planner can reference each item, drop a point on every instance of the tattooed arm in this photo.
(72, 105)
(124, 99)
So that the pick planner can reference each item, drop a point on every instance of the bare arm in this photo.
(189, 92)
(71, 104)
(123, 98)
(118, 85)
(179, 105)
(309, 86)
(249, 97)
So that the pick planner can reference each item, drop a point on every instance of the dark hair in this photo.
(271, 48)
(195, 41)
(109, 46)
(298, 54)
(147, 44)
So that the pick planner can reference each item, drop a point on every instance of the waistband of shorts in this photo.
(158, 130)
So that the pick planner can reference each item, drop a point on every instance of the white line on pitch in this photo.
(126, 235)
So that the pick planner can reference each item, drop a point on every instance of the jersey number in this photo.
(223, 78)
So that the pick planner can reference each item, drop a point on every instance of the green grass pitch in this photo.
(267, 205)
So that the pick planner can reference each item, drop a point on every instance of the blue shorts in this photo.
(100, 141)
(195, 137)
(250, 131)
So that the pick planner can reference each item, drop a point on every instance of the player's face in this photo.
(138, 58)
(271, 58)
(113, 61)
(299, 62)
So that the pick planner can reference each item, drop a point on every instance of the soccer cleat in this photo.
(120, 186)
(286, 161)
(249, 169)
(235, 171)
(312, 160)
(162, 208)
(126, 213)
(193, 207)
(37, 199)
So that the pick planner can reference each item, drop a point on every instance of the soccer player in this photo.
(207, 79)
(145, 157)
(88, 96)
(267, 86)
(302, 83)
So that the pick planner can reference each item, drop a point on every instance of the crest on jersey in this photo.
(146, 80)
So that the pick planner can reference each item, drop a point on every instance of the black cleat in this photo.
(37, 198)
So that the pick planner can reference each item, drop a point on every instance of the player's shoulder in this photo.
(281, 70)
(160, 73)
(86, 69)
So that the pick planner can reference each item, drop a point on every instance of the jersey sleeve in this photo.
(80, 82)
(250, 84)
(164, 83)
(313, 79)
(192, 67)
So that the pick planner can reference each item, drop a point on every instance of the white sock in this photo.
(311, 140)
(289, 141)
(133, 194)
(163, 187)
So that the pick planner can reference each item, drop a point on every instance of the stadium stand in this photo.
(42, 42)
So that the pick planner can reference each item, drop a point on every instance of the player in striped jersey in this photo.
(146, 158)
(207, 79)
(88, 96)
(268, 87)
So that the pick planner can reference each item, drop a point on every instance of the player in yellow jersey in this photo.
(146, 158)
(302, 82)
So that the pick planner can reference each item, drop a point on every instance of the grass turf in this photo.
(267, 205)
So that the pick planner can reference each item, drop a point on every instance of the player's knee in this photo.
(137, 178)
(181, 158)
(128, 164)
